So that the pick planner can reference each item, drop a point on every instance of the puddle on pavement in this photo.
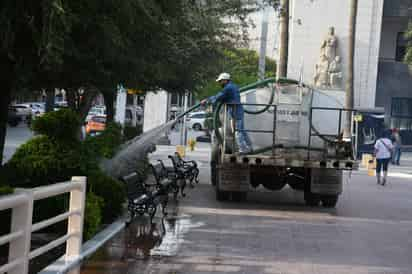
(162, 238)
(141, 242)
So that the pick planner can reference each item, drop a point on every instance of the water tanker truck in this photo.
(297, 137)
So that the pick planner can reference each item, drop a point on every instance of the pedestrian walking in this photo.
(397, 143)
(383, 154)
(231, 95)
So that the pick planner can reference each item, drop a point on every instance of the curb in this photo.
(64, 265)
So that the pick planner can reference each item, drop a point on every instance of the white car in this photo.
(96, 111)
(196, 120)
(24, 111)
(37, 108)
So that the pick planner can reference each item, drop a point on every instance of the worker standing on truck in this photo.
(231, 95)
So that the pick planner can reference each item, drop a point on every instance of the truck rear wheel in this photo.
(213, 164)
(239, 196)
(222, 196)
(329, 201)
(312, 199)
(296, 178)
(213, 173)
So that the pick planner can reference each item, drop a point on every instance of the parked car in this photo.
(196, 120)
(58, 107)
(37, 108)
(204, 138)
(96, 111)
(23, 111)
(62, 104)
(12, 118)
(96, 124)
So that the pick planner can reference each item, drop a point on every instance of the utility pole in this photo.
(351, 68)
(263, 44)
(183, 132)
(281, 69)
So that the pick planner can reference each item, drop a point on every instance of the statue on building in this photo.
(335, 73)
(330, 45)
(328, 70)
(321, 78)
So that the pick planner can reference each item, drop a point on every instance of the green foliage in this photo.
(56, 156)
(112, 192)
(408, 37)
(242, 64)
(43, 161)
(93, 215)
(4, 190)
(104, 145)
(130, 132)
(4, 184)
(62, 125)
(175, 45)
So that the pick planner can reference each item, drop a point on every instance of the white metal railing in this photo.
(21, 204)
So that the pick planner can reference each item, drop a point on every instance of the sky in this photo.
(273, 32)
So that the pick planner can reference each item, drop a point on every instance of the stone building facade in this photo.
(382, 82)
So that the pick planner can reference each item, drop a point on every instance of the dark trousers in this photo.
(382, 164)
(396, 155)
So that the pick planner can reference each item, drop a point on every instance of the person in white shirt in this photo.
(383, 152)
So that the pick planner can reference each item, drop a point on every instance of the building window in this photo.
(129, 99)
(401, 113)
(401, 107)
(401, 44)
(401, 118)
(174, 101)
(140, 100)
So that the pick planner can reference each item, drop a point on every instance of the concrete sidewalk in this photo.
(271, 233)
(405, 166)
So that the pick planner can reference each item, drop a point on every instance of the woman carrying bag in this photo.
(383, 153)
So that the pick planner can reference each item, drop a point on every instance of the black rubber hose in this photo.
(187, 111)
(216, 118)
(272, 95)
(255, 85)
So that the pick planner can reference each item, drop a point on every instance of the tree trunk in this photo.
(71, 99)
(351, 68)
(6, 78)
(108, 96)
(50, 99)
(87, 99)
(284, 39)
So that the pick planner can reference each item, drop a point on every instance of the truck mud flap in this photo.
(326, 181)
(235, 178)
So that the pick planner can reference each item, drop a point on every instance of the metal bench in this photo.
(186, 170)
(167, 175)
(142, 200)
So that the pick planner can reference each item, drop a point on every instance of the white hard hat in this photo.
(223, 76)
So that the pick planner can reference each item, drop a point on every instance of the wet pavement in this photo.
(370, 231)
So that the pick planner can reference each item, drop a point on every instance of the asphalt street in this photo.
(370, 231)
(16, 136)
